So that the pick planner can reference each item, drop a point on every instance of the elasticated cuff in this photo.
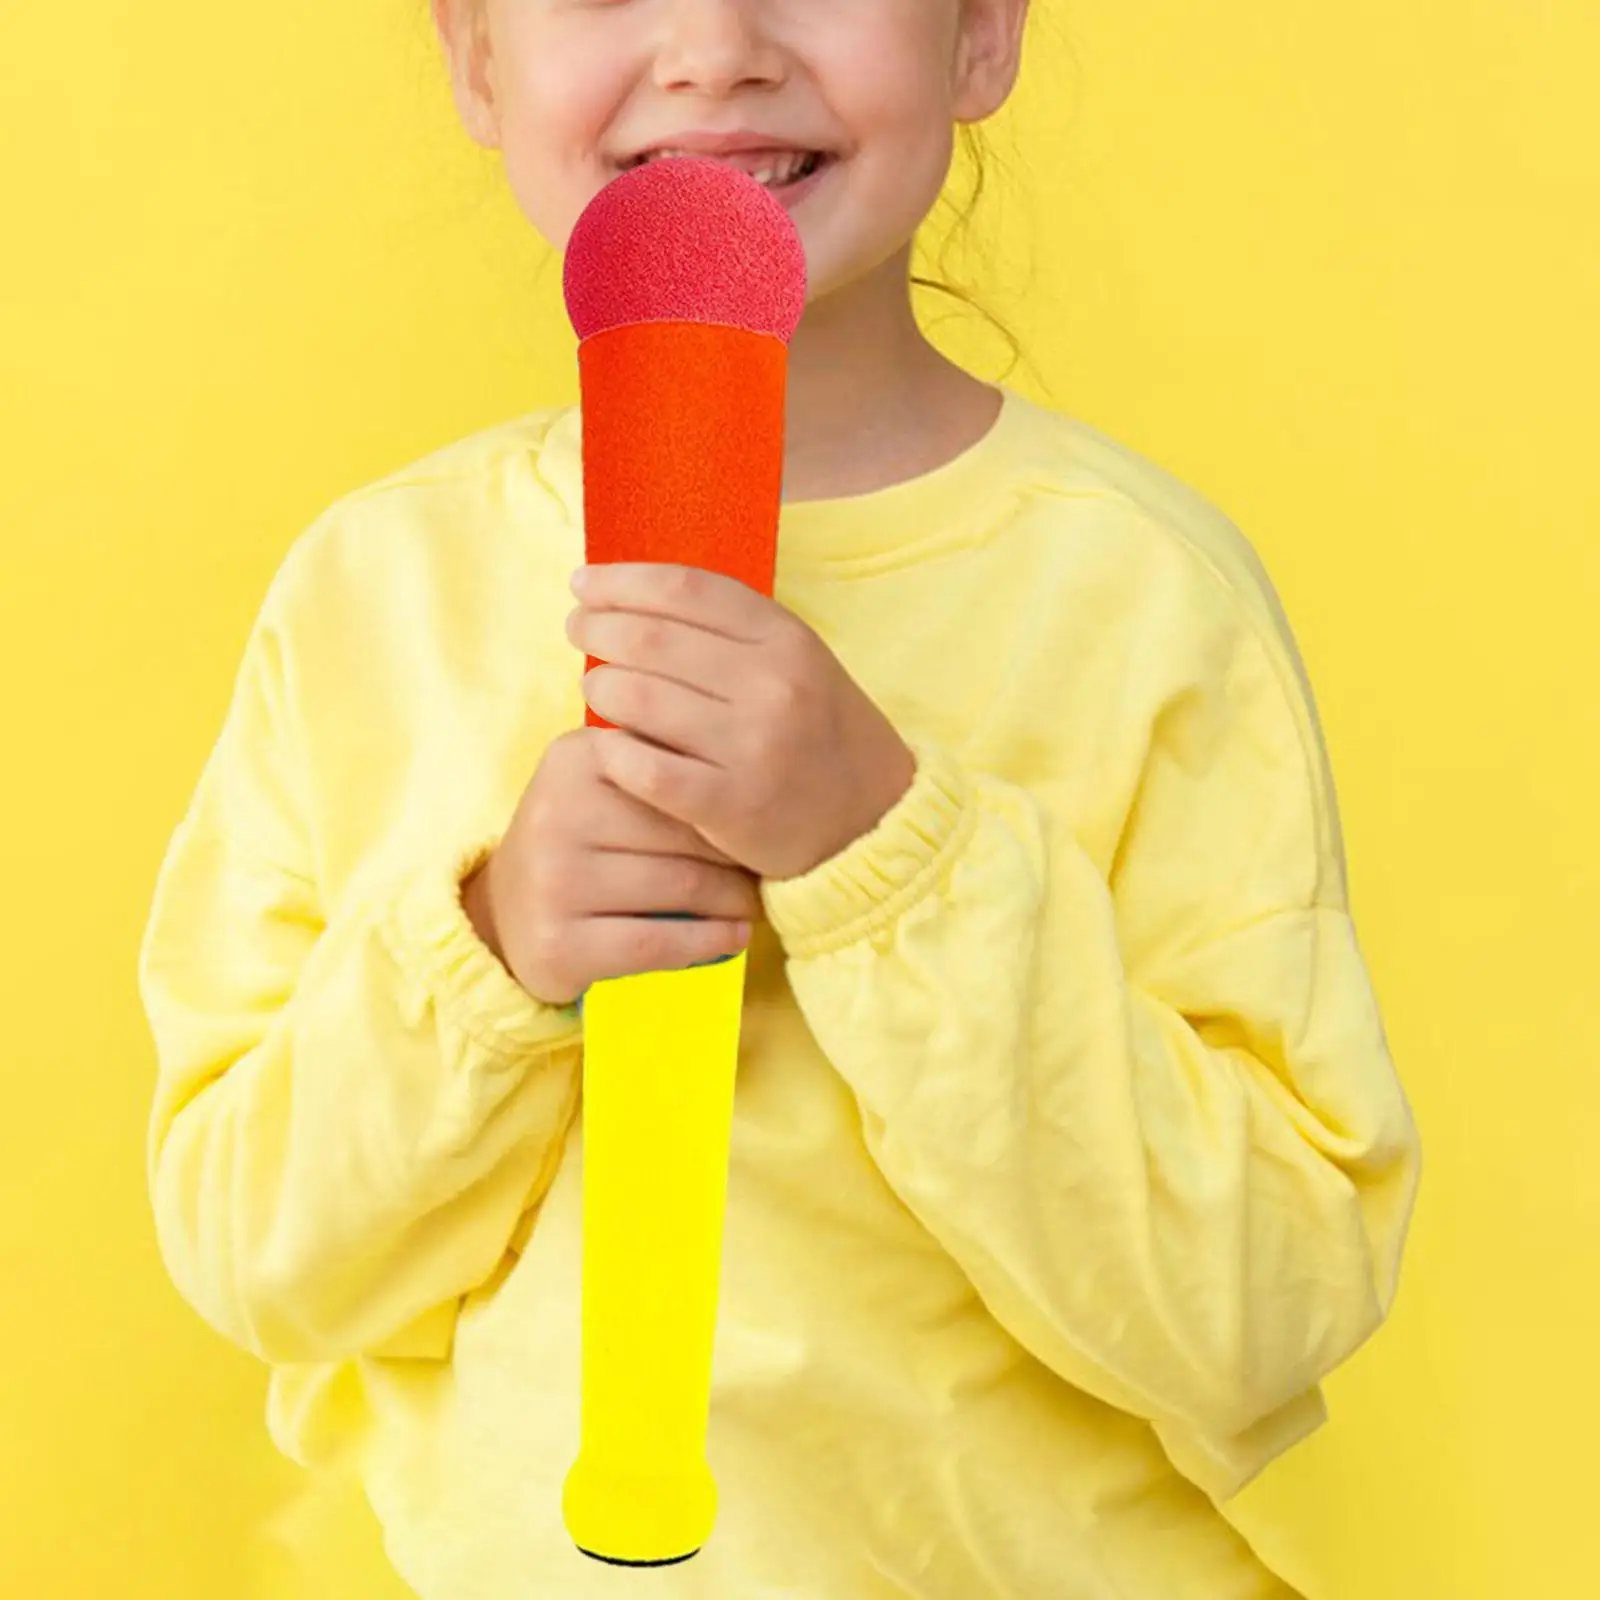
(874, 880)
(433, 938)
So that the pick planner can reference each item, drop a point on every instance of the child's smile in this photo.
(857, 97)
(787, 169)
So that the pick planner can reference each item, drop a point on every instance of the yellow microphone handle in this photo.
(660, 1056)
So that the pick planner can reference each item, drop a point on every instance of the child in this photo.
(1068, 1154)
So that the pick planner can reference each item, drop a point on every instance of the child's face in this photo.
(573, 91)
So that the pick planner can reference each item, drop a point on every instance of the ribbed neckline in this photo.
(947, 505)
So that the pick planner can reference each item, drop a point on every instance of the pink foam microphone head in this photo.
(684, 239)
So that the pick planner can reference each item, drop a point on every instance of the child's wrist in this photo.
(479, 907)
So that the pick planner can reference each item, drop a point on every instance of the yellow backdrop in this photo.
(1335, 265)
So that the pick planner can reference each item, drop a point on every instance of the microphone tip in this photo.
(685, 239)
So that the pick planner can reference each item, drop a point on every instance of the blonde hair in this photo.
(978, 155)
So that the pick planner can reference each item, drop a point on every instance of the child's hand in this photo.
(732, 715)
(563, 900)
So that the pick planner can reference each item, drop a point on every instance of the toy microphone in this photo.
(684, 281)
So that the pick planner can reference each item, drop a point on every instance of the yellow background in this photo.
(1338, 266)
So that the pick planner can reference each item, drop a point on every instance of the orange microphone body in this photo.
(684, 281)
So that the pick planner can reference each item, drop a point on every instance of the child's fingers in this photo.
(619, 883)
(622, 821)
(621, 946)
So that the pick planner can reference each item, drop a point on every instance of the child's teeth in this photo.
(780, 171)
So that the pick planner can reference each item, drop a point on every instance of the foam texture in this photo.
(685, 239)
(683, 429)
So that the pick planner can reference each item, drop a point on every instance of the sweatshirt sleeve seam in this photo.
(1295, 700)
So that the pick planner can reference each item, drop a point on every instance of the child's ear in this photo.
(988, 56)
(463, 29)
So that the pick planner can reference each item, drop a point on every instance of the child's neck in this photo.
(870, 401)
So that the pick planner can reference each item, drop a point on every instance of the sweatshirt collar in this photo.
(952, 504)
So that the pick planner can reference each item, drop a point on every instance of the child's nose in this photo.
(716, 46)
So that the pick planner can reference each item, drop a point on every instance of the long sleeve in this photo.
(1145, 1101)
(355, 1110)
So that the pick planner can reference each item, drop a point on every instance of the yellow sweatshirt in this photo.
(1068, 1154)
